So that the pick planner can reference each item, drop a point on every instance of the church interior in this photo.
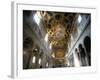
(56, 39)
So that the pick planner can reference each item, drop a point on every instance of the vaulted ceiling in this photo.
(59, 27)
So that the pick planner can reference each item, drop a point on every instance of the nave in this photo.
(56, 39)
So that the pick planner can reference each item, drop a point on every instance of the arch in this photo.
(28, 43)
(82, 55)
(87, 44)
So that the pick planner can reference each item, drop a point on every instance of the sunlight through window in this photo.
(46, 38)
(50, 46)
(33, 61)
(37, 18)
(39, 61)
(79, 18)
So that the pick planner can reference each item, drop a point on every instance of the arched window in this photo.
(34, 59)
(39, 61)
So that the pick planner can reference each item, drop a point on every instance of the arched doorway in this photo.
(27, 52)
(87, 44)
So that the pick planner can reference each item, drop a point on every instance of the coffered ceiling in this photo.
(59, 27)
